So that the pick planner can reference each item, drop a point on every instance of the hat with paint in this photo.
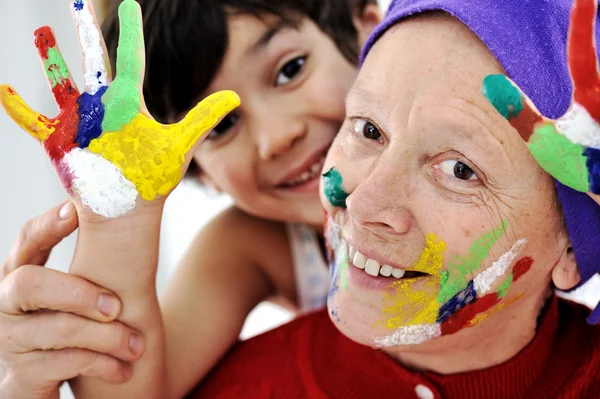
(529, 39)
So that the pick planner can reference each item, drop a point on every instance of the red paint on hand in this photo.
(522, 267)
(460, 319)
(43, 40)
(581, 53)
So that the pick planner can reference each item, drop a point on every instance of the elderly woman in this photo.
(447, 236)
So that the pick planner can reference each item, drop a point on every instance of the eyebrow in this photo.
(269, 34)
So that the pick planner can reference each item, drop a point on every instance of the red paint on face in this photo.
(65, 95)
(460, 319)
(522, 267)
(582, 59)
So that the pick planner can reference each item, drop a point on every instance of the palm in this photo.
(104, 146)
(568, 148)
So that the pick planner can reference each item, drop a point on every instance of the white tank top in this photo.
(310, 269)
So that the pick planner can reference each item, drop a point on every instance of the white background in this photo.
(28, 183)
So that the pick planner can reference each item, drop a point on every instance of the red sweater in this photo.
(309, 358)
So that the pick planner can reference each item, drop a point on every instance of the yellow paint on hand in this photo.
(32, 122)
(406, 305)
(482, 316)
(151, 155)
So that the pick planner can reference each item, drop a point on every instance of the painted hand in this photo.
(105, 146)
(568, 148)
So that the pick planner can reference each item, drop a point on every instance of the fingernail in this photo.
(108, 305)
(65, 211)
(136, 344)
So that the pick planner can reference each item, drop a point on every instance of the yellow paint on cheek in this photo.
(482, 316)
(405, 304)
(151, 155)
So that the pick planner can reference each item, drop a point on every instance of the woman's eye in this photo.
(367, 129)
(458, 170)
(289, 71)
(224, 126)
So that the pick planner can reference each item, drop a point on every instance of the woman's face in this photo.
(449, 222)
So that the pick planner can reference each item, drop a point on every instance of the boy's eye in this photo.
(290, 70)
(224, 126)
(367, 129)
(458, 170)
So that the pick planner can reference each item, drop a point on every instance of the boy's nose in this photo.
(277, 136)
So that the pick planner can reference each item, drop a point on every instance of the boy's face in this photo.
(268, 154)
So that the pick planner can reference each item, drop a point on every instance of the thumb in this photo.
(39, 236)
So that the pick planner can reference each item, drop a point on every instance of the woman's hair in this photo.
(186, 41)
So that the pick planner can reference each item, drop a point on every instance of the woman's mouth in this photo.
(373, 268)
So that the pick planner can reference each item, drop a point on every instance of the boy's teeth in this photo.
(308, 174)
(359, 260)
(386, 270)
(398, 273)
(372, 267)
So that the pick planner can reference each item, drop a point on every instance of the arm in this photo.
(236, 262)
(119, 165)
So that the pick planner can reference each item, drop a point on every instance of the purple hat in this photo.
(528, 37)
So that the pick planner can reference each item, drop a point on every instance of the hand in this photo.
(55, 326)
(104, 145)
(567, 148)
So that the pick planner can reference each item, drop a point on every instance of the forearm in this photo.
(121, 255)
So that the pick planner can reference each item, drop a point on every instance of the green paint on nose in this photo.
(334, 189)
(503, 95)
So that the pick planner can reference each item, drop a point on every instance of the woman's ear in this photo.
(565, 274)
(365, 21)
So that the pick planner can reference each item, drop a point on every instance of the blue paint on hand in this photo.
(593, 167)
(503, 95)
(457, 302)
(91, 114)
(78, 4)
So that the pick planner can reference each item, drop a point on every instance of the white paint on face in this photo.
(579, 127)
(484, 280)
(95, 71)
(101, 186)
(410, 335)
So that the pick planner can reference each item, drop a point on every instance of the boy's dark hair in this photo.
(186, 41)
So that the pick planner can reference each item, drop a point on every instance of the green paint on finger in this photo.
(503, 95)
(461, 268)
(122, 100)
(560, 157)
(56, 68)
(334, 189)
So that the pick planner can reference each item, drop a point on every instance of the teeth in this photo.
(359, 260)
(398, 273)
(372, 267)
(386, 270)
(313, 171)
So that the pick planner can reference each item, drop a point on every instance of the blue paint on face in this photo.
(593, 166)
(91, 114)
(78, 4)
(501, 93)
(457, 302)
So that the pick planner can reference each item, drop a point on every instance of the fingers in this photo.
(39, 236)
(203, 117)
(59, 78)
(555, 153)
(32, 122)
(123, 99)
(55, 331)
(31, 288)
(62, 365)
(582, 58)
(95, 58)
